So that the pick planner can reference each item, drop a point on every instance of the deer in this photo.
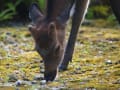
(48, 31)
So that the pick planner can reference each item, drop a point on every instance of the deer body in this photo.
(48, 32)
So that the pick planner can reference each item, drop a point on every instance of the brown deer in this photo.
(48, 31)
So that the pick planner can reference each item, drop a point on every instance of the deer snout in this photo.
(50, 76)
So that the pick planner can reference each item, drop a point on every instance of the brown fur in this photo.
(48, 32)
(49, 37)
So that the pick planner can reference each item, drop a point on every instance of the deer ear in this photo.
(34, 13)
(64, 16)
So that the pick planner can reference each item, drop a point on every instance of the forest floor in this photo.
(95, 64)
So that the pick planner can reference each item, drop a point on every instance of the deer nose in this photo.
(50, 76)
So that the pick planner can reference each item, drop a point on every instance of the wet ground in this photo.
(95, 65)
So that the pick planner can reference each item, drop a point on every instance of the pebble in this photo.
(22, 82)
(8, 33)
(43, 82)
(118, 62)
(42, 71)
(34, 82)
(116, 82)
(12, 78)
(19, 82)
(108, 62)
(38, 77)
(55, 88)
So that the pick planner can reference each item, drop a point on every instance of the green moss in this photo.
(88, 69)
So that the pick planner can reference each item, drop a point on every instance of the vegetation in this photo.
(9, 12)
(95, 65)
(12, 9)
(96, 62)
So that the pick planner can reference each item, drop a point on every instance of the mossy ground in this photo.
(95, 64)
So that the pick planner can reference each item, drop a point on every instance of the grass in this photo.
(95, 65)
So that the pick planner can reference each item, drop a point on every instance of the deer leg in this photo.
(80, 10)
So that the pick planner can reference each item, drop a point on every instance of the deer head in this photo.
(49, 36)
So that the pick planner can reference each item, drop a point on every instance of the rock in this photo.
(42, 82)
(42, 71)
(26, 83)
(19, 82)
(108, 62)
(12, 78)
(117, 62)
(39, 77)
(55, 88)
(34, 82)
(22, 82)
(116, 82)
(8, 33)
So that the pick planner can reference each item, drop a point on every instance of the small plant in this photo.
(10, 11)
(42, 4)
(98, 12)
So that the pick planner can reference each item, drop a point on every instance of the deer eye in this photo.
(31, 27)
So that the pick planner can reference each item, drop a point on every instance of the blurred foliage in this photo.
(98, 11)
(42, 4)
(12, 10)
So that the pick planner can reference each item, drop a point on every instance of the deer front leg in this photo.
(80, 10)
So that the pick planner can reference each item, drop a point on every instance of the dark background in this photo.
(17, 10)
